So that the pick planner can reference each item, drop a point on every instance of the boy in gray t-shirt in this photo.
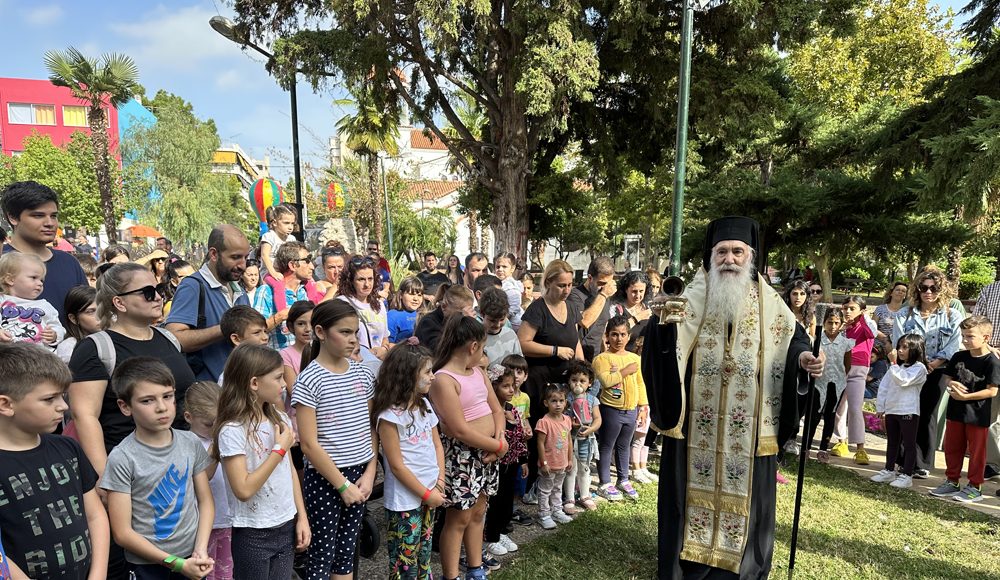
(160, 503)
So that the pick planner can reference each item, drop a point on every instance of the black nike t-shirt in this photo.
(44, 524)
(976, 373)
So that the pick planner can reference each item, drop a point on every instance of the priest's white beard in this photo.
(728, 288)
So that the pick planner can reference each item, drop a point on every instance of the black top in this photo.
(976, 373)
(86, 366)
(591, 339)
(44, 525)
(551, 332)
(431, 281)
(429, 328)
(62, 272)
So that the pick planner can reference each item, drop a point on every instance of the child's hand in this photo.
(504, 447)
(365, 483)
(544, 469)
(892, 356)
(285, 437)
(303, 535)
(613, 369)
(48, 335)
(435, 499)
(489, 458)
(5, 336)
(957, 391)
(524, 471)
(631, 369)
(575, 422)
(352, 495)
(195, 568)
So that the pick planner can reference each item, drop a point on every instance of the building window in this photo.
(74, 116)
(28, 114)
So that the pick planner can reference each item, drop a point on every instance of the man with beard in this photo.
(203, 297)
(722, 389)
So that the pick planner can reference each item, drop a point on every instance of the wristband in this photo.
(175, 563)
(427, 494)
(277, 449)
(555, 351)
(499, 449)
(344, 486)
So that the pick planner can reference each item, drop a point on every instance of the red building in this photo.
(28, 105)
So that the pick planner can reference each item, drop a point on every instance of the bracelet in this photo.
(555, 351)
(427, 494)
(277, 449)
(344, 486)
(175, 563)
(499, 449)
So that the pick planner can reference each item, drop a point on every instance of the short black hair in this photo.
(493, 303)
(20, 196)
(131, 372)
(476, 256)
(238, 318)
(166, 241)
(428, 254)
(580, 367)
(485, 281)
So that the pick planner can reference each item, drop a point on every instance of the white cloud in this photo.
(178, 40)
(230, 80)
(43, 15)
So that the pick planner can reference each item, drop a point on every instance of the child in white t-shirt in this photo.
(23, 317)
(281, 224)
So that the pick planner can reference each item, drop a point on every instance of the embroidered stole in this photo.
(738, 370)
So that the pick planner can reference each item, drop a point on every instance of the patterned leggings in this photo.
(409, 543)
(335, 526)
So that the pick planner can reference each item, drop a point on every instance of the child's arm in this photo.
(303, 533)
(960, 392)
(206, 516)
(569, 452)
(53, 331)
(120, 514)
(389, 436)
(100, 535)
(444, 396)
(265, 257)
(289, 374)
(439, 455)
(367, 480)
(847, 361)
(543, 466)
(499, 421)
(18, 574)
(643, 399)
(606, 372)
(305, 416)
(244, 483)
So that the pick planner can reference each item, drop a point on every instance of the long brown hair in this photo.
(945, 293)
(238, 402)
(396, 385)
(325, 316)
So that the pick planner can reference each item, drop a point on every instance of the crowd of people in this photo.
(232, 418)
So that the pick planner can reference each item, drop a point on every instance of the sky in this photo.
(177, 51)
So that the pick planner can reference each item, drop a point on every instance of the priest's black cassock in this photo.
(671, 401)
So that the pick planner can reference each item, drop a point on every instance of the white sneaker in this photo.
(650, 475)
(547, 523)
(496, 548)
(507, 543)
(637, 475)
(903, 481)
(792, 447)
(561, 517)
(884, 476)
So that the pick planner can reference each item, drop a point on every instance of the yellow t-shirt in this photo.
(522, 402)
(617, 393)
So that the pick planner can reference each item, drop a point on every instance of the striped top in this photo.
(343, 427)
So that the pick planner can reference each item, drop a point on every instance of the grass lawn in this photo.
(850, 528)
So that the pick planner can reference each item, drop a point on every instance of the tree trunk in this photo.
(98, 122)
(488, 249)
(822, 261)
(954, 271)
(473, 217)
(374, 197)
(538, 254)
(509, 217)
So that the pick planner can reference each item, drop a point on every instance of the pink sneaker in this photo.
(781, 478)
(570, 508)
(588, 504)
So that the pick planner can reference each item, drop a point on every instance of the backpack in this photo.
(106, 348)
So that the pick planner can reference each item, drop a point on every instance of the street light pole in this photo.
(230, 31)
(680, 148)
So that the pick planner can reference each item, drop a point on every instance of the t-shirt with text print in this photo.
(416, 445)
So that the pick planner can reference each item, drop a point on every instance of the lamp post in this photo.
(229, 30)
(680, 147)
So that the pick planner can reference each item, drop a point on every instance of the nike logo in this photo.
(168, 501)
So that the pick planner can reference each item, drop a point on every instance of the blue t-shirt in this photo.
(62, 272)
(401, 323)
(208, 362)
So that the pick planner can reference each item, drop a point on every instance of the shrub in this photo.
(854, 272)
(977, 272)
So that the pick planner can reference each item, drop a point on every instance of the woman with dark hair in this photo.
(454, 270)
(405, 306)
(359, 286)
(331, 264)
(803, 304)
(930, 316)
(654, 285)
(115, 254)
(176, 271)
(627, 301)
(885, 314)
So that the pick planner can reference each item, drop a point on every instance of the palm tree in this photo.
(109, 82)
(370, 131)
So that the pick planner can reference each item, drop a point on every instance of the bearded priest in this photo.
(722, 389)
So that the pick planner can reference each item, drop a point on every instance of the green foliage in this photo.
(69, 172)
(856, 273)
(977, 272)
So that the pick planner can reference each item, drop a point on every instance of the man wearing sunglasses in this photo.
(203, 297)
(294, 262)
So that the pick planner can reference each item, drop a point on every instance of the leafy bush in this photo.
(977, 272)
(857, 273)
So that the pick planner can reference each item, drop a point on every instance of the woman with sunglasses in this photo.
(128, 307)
(359, 286)
(932, 316)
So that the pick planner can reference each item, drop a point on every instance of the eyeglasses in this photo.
(332, 252)
(362, 261)
(933, 289)
(148, 292)
(308, 258)
(816, 291)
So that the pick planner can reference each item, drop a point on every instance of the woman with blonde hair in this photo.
(930, 315)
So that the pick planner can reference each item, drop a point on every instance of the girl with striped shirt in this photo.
(333, 398)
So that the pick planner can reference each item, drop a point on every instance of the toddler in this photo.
(555, 455)
(23, 316)
(586, 416)
(281, 224)
(899, 404)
